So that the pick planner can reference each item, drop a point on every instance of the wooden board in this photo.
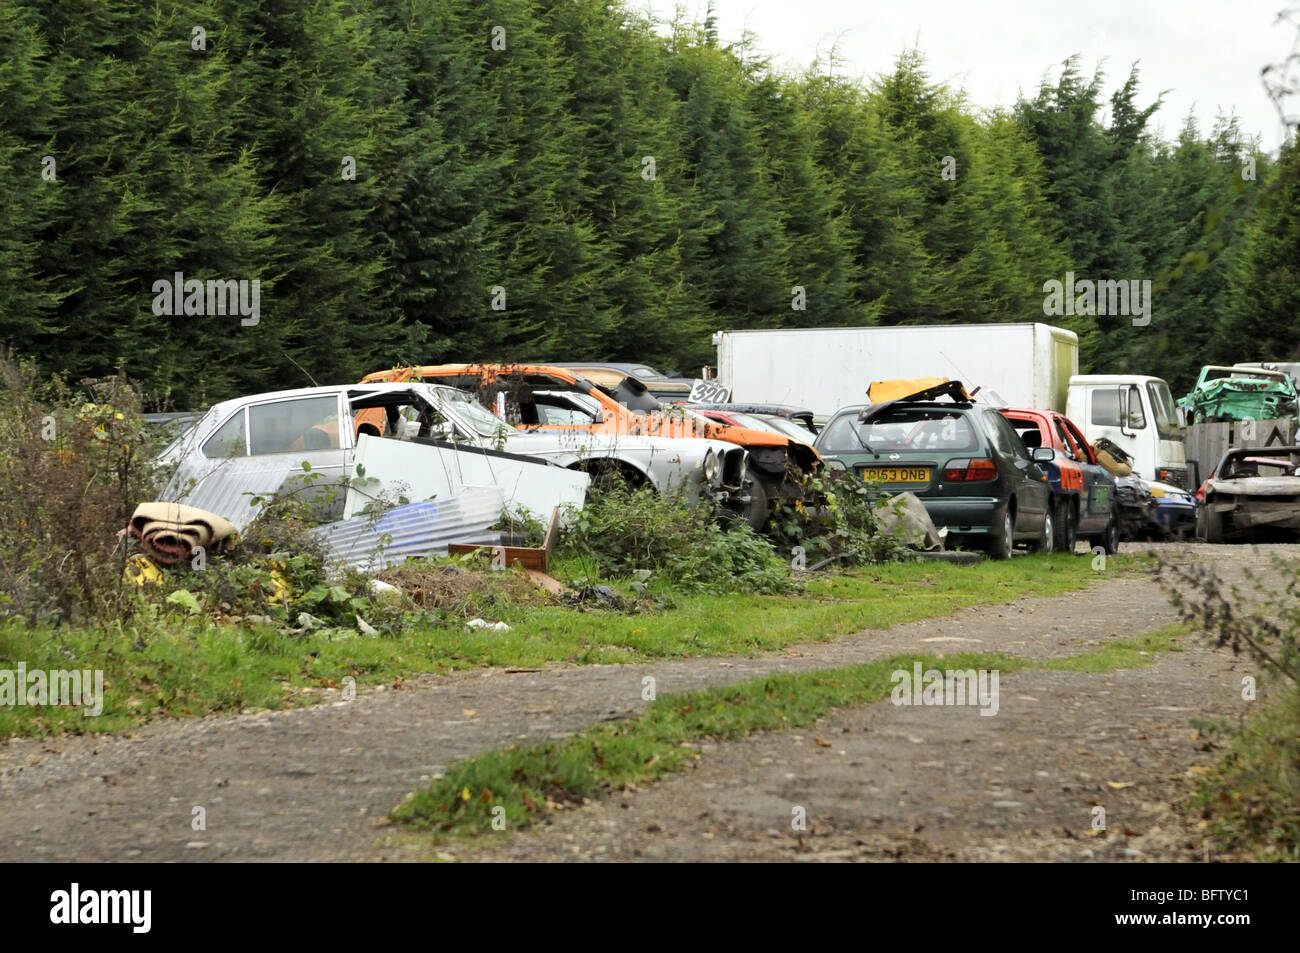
(526, 556)
(1207, 443)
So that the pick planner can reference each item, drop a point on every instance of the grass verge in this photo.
(1250, 801)
(528, 781)
(179, 668)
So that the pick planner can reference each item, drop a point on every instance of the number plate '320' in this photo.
(896, 474)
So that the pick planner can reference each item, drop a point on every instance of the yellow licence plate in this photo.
(896, 474)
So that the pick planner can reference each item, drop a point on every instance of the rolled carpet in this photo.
(169, 533)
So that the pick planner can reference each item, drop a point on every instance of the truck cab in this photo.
(1138, 414)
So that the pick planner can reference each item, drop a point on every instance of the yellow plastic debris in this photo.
(141, 571)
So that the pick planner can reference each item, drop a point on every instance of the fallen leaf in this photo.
(529, 803)
(821, 744)
(1120, 785)
(486, 796)
(465, 795)
(469, 712)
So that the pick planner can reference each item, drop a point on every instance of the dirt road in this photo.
(879, 782)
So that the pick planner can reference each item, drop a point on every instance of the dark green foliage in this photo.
(626, 532)
(389, 171)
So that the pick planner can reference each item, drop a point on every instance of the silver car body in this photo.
(256, 455)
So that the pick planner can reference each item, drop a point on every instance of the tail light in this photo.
(968, 470)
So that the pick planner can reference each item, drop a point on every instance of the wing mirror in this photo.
(1043, 455)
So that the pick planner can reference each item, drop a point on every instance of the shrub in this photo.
(1252, 798)
(73, 466)
(845, 528)
(629, 530)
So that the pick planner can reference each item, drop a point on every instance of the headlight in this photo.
(712, 467)
(833, 464)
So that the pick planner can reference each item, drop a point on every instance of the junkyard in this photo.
(600, 432)
(534, 542)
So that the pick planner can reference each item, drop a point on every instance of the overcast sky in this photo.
(1206, 53)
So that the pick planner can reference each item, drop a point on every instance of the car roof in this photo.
(627, 368)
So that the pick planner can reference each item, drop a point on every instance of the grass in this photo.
(178, 668)
(522, 783)
(1250, 800)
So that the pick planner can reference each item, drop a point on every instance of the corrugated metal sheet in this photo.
(229, 486)
(416, 529)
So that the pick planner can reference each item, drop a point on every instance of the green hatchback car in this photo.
(962, 459)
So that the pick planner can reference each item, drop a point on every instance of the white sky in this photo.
(1206, 53)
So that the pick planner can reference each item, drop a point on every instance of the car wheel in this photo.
(1110, 539)
(756, 515)
(1046, 542)
(1002, 539)
(1210, 525)
(1066, 527)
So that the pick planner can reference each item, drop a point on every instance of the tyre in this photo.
(1046, 541)
(1110, 538)
(756, 514)
(1209, 525)
(1002, 539)
(1066, 526)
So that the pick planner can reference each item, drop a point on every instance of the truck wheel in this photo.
(1046, 541)
(1066, 526)
(1210, 525)
(1002, 539)
(756, 514)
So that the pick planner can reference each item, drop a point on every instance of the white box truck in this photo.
(1030, 365)
(824, 369)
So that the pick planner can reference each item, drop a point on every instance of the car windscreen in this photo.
(900, 429)
(471, 411)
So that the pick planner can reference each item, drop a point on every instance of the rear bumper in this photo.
(970, 514)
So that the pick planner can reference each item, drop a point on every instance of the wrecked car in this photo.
(307, 439)
(800, 416)
(1239, 393)
(526, 396)
(629, 384)
(1083, 491)
(977, 480)
(1253, 493)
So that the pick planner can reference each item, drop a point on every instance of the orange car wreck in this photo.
(541, 397)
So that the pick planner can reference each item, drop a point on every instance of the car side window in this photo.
(1001, 435)
(307, 423)
(1067, 442)
(228, 441)
(1106, 407)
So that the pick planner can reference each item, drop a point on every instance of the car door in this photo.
(312, 438)
(1098, 485)
(1031, 488)
(261, 448)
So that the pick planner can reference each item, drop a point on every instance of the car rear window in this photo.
(902, 429)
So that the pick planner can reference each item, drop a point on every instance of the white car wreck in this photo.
(1253, 492)
(308, 439)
